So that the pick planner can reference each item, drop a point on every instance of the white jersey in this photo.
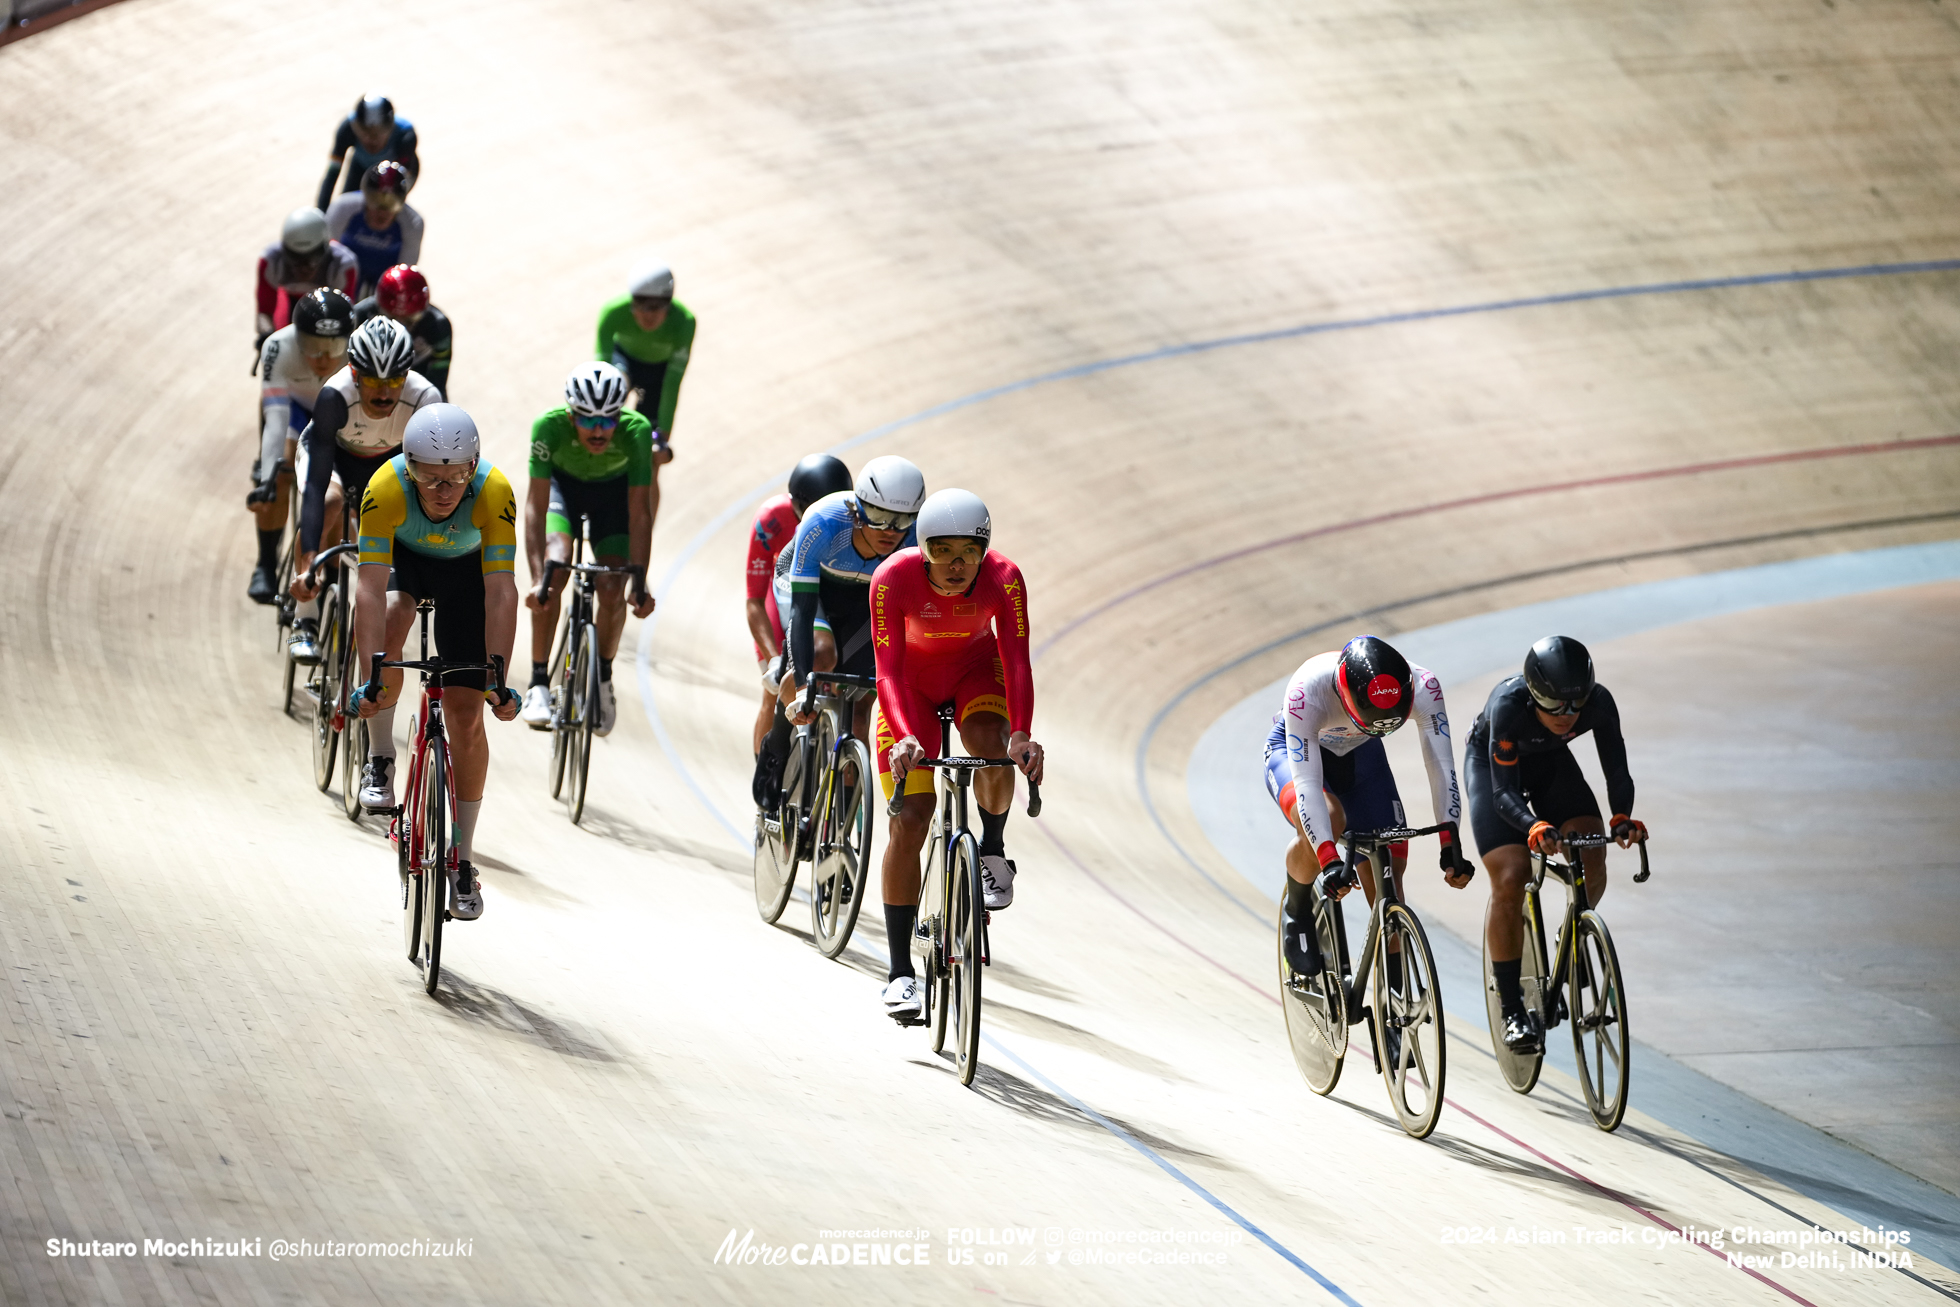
(284, 380)
(1315, 719)
(358, 433)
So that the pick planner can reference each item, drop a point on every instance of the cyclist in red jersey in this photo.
(949, 624)
(775, 522)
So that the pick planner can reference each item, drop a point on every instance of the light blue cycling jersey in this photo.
(823, 550)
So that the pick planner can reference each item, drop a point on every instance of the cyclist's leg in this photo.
(606, 511)
(404, 588)
(906, 838)
(558, 523)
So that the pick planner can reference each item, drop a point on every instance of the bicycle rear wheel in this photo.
(561, 702)
(586, 695)
(407, 827)
(966, 955)
(775, 841)
(843, 852)
(1520, 1070)
(1599, 1022)
(1409, 1043)
(435, 859)
(325, 678)
(1316, 1009)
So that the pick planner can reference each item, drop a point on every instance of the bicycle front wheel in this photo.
(435, 858)
(1599, 1022)
(353, 759)
(775, 841)
(1520, 1070)
(407, 829)
(1409, 1021)
(843, 851)
(966, 954)
(561, 704)
(1315, 1008)
(326, 684)
(585, 695)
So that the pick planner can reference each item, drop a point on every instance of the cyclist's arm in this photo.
(760, 628)
(342, 211)
(1011, 638)
(608, 343)
(904, 708)
(370, 614)
(1438, 759)
(805, 584)
(1303, 714)
(275, 401)
(760, 574)
(499, 616)
(670, 386)
(267, 297)
(342, 139)
(1612, 748)
(383, 509)
(537, 503)
(329, 415)
(440, 344)
(409, 156)
(411, 222)
(1506, 789)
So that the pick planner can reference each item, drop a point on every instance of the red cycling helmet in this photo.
(402, 292)
(387, 178)
(1375, 685)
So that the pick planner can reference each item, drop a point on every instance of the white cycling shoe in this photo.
(903, 1002)
(996, 881)
(536, 711)
(378, 784)
(608, 710)
(466, 901)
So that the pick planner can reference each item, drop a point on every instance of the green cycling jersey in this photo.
(665, 348)
(555, 445)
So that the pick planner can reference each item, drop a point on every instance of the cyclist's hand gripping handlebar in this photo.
(372, 690)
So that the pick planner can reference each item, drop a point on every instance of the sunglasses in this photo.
(595, 423)
(323, 347)
(428, 479)
(382, 383)
(947, 549)
(884, 519)
(1559, 707)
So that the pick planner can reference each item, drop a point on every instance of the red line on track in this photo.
(1499, 496)
(1614, 1194)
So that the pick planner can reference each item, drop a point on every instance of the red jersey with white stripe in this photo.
(775, 522)
(916, 630)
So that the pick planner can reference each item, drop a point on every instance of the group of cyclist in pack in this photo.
(866, 575)
(355, 409)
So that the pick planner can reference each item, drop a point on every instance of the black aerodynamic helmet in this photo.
(1559, 674)
(324, 312)
(1374, 684)
(816, 476)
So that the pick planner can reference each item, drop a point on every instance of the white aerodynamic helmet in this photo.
(889, 491)
(441, 433)
(381, 348)
(955, 513)
(652, 280)
(595, 390)
(304, 231)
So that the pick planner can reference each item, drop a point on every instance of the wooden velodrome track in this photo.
(875, 210)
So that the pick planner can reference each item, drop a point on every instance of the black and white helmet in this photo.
(595, 390)
(381, 348)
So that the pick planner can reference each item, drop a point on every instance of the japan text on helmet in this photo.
(304, 232)
(386, 180)
(373, 111)
(1374, 684)
(1558, 672)
(955, 513)
(440, 433)
(402, 291)
(381, 348)
(652, 280)
(889, 491)
(324, 312)
(595, 390)
(816, 476)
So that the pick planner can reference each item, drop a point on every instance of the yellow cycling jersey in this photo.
(486, 519)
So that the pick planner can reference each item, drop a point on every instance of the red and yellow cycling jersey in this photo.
(924, 640)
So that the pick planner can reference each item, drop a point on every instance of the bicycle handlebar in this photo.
(430, 666)
(326, 556)
(1601, 841)
(551, 565)
(897, 803)
(1374, 839)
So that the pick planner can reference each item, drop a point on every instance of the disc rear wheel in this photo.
(843, 852)
(1520, 1070)
(1316, 1008)
(775, 841)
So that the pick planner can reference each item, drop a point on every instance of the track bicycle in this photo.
(575, 670)
(951, 936)
(283, 603)
(1407, 1014)
(1586, 981)
(332, 679)
(823, 818)
(419, 828)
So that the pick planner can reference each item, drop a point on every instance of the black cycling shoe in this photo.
(263, 589)
(767, 786)
(1301, 943)
(1523, 1033)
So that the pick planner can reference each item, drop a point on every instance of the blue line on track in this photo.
(977, 397)
(1170, 1170)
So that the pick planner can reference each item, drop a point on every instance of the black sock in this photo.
(269, 547)
(1299, 900)
(1509, 992)
(899, 918)
(605, 669)
(541, 673)
(993, 828)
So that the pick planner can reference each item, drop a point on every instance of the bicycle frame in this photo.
(1368, 846)
(833, 727)
(1573, 872)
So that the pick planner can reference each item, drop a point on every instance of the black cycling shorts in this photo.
(847, 607)
(354, 471)
(647, 378)
(456, 586)
(1553, 785)
(602, 504)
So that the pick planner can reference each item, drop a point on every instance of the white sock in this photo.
(307, 609)
(466, 810)
(381, 733)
